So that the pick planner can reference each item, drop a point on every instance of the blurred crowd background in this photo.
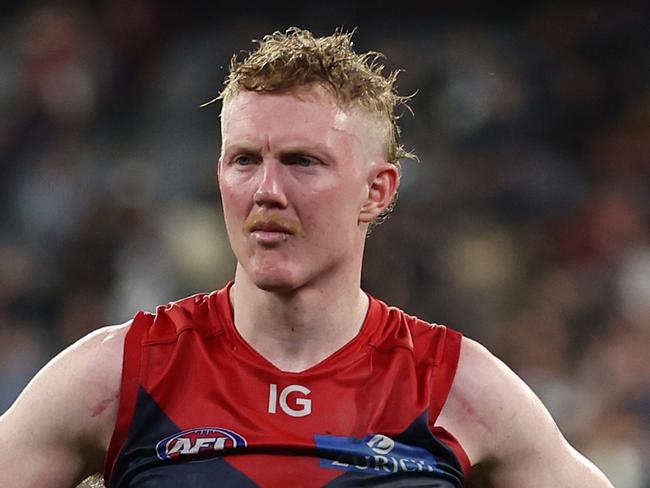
(526, 223)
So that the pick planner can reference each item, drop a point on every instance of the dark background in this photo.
(526, 223)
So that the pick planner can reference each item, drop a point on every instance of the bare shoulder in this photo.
(84, 378)
(499, 419)
(67, 412)
(94, 362)
(94, 366)
(481, 392)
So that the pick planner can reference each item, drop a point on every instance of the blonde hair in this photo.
(294, 59)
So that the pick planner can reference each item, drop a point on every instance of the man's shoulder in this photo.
(484, 391)
(429, 342)
(478, 365)
(87, 376)
(202, 312)
(84, 370)
(395, 316)
(484, 379)
(100, 353)
(498, 419)
(67, 412)
(496, 415)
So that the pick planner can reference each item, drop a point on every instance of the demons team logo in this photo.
(200, 442)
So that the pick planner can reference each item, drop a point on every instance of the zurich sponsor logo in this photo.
(375, 453)
(381, 444)
(199, 442)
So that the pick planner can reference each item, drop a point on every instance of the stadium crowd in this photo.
(526, 223)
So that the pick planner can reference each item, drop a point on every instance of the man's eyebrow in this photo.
(298, 149)
(245, 147)
(314, 149)
(308, 148)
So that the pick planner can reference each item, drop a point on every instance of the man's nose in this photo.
(270, 192)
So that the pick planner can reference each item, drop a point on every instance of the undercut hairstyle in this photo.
(294, 59)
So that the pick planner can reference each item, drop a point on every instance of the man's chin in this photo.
(273, 277)
(275, 284)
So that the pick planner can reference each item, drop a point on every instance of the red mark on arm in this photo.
(100, 407)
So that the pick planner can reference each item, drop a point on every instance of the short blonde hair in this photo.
(293, 59)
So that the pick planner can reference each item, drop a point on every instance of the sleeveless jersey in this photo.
(200, 407)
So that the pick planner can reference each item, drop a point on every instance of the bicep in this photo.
(48, 438)
(29, 458)
(534, 453)
(36, 449)
(500, 420)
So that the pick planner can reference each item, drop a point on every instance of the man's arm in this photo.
(58, 430)
(497, 418)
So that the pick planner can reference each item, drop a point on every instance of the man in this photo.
(291, 375)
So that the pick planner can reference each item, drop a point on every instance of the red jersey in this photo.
(200, 407)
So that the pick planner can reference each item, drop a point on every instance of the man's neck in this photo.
(295, 331)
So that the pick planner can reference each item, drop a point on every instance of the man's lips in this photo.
(270, 223)
(272, 228)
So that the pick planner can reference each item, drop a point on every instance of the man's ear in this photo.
(382, 188)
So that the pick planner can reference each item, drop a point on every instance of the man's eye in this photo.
(303, 161)
(243, 160)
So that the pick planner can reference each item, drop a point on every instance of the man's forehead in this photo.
(297, 99)
(311, 105)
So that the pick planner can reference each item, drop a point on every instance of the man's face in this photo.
(296, 174)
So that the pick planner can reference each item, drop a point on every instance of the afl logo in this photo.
(198, 442)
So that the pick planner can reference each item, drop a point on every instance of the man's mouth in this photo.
(271, 228)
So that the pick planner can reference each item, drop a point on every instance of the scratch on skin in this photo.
(103, 405)
(469, 410)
